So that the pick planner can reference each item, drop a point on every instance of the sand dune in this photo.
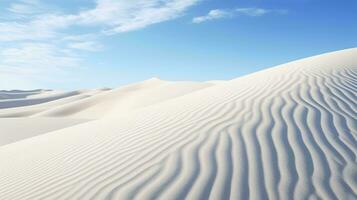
(94, 104)
(59, 110)
(43, 101)
(15, 129)
(19, 94)
(288, 132)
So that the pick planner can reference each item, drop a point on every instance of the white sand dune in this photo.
(15, 129)
(94, 104)
(59, 111)
(21, 107)
(289, 132)
(19, 94)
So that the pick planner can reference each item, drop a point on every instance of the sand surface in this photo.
(288, 132)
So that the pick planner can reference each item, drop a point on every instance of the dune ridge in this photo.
(288, 132)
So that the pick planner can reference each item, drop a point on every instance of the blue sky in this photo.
(73, 44)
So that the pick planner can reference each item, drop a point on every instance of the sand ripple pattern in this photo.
(285, 133)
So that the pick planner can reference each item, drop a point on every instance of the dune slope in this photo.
(288, 132)
(58, 111)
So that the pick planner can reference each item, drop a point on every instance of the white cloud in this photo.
(37, 39)
(142, 13)
(256, 12)
(87, 46)
(115, 16)
(13, 31)
(226, 13)
(213, 14)
(36, 58)
(82, 37)
(253, 12)
(27, 7)
(26, 65)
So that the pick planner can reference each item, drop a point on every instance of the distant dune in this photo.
(288, 132)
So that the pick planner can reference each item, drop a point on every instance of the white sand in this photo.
(288, 132)
(15, 129)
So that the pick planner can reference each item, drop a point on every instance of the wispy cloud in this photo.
(28, 7)
(110, 16)
(27, 64)
(256, 12)
(37, 38)
(229, 13)
(37, 57)
(213, 14)
(86, 46)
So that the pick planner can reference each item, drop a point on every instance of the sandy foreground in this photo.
(288, 132)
